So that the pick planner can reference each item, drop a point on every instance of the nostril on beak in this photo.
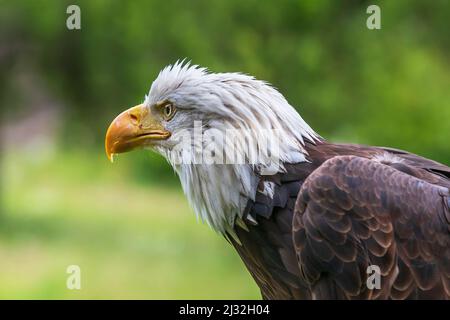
(134, 118)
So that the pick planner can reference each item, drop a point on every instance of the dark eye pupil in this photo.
(168, 110)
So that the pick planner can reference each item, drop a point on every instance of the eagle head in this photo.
(190, 112)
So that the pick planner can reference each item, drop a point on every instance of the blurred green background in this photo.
(128, 225)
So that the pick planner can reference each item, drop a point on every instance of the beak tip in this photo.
(109, 152)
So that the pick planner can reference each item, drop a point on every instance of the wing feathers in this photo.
(353, 212)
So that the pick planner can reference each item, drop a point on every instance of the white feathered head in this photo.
(212, 128)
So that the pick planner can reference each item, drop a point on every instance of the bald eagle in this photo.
(312, 222)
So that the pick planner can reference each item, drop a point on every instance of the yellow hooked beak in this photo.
(133, 128)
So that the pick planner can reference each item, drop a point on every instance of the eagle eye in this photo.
(168, 111)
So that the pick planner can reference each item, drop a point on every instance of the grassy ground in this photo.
(130, 240)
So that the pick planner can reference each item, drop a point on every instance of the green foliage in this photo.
(385, 87)
(129, 241)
